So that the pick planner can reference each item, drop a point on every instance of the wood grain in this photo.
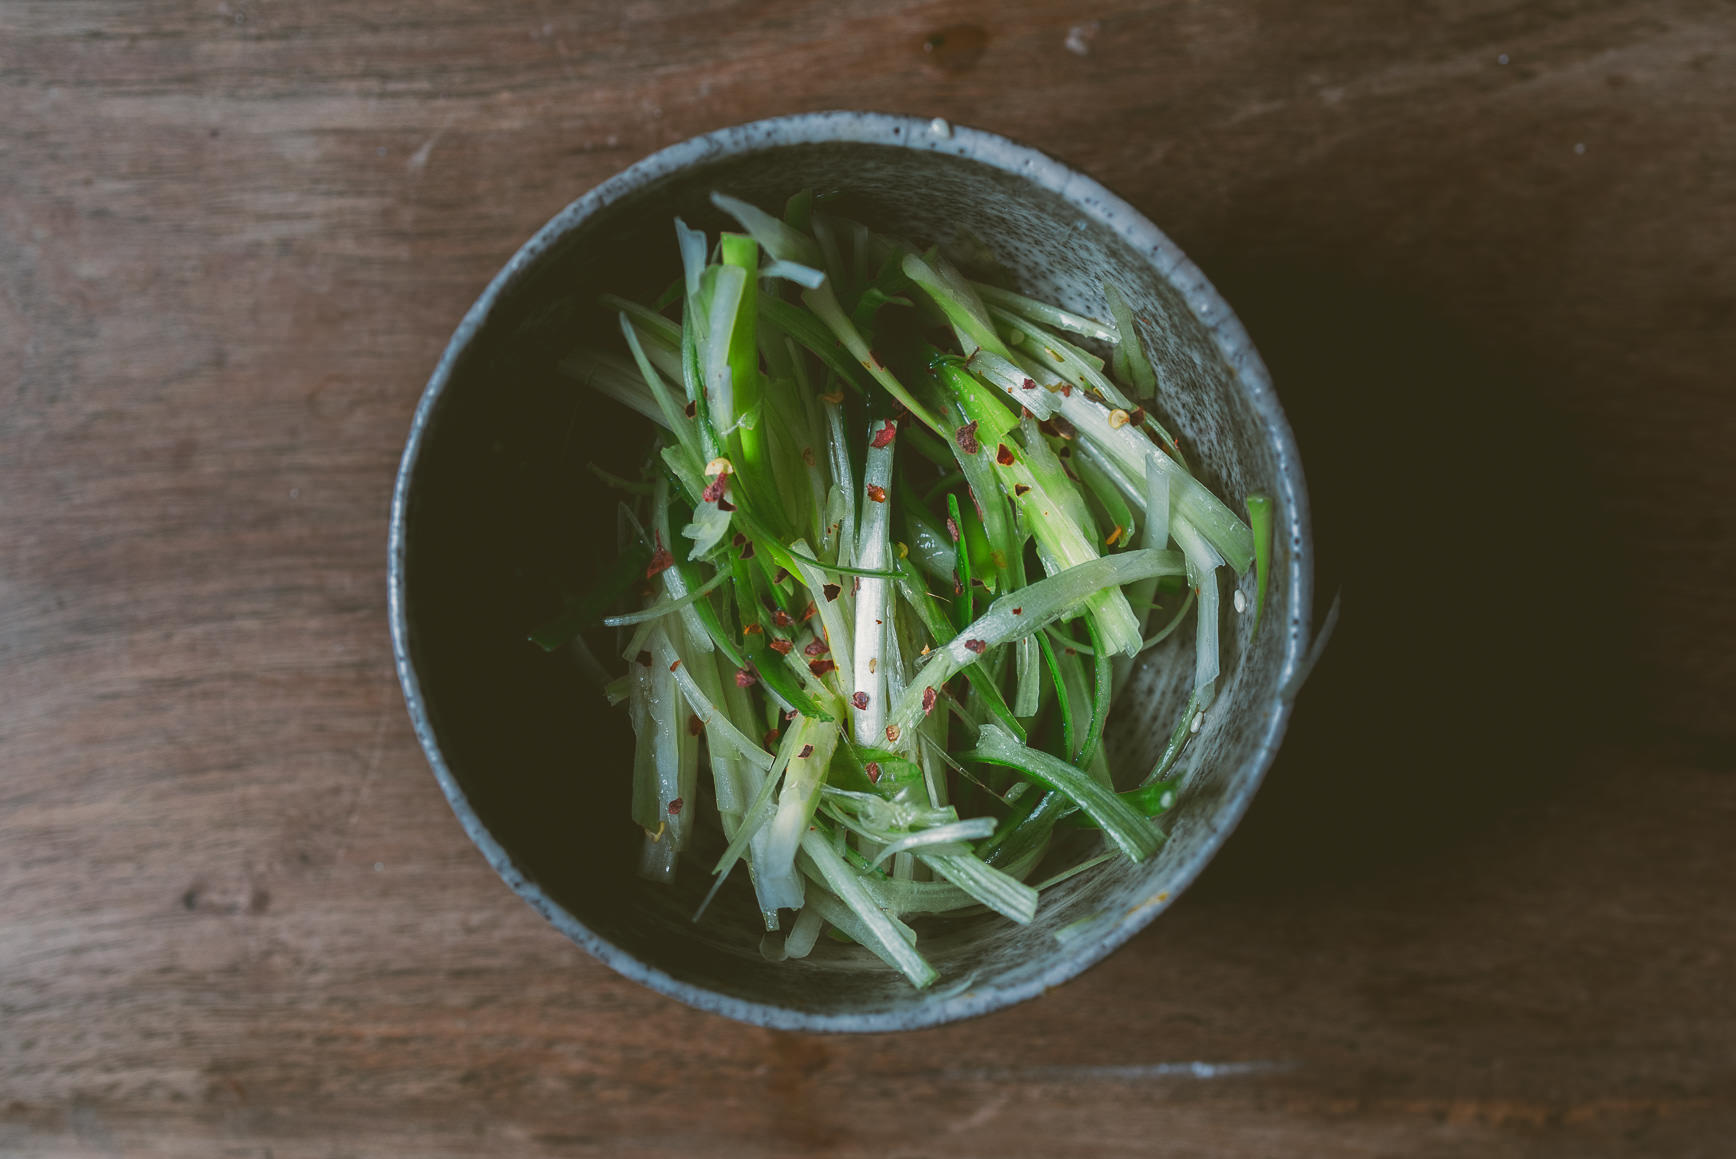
(1481, 907)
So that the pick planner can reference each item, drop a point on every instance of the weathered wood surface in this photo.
(1483, 905)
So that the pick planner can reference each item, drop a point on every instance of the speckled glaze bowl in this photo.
(495, 517)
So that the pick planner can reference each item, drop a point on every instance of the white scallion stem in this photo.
(882, 933)
(831, 614)
(873, 603)
(1044, 313)
(723, 731)
(804, 933)
(796, 801)
(783, 242)
(1038, 605)
(1203, 563)
(1139, 371)
(1157, 492)
(953, 833)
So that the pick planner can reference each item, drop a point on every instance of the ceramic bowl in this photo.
(496, 516)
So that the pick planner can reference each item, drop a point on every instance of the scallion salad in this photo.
(900, 535)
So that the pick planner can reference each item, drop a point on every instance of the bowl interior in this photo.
(501, 519)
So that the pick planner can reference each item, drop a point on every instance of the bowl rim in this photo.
(1089, 198)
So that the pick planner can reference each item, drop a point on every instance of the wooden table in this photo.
(1483, 905)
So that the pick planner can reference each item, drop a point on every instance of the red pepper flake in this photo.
(1018, 611)
(967, 440)
(752, 629)
(876, 493)
(1066, 390)
(725, 505)
(744, 678)
(661, 560)
(860, 700)
(952, 528)
(780, 645)
(929, 696)
(957, 585)
(1026, 412)
(675, 807)
(1004, 455)
(714, 490)
(779, 576)
(1114, 536)
(808, 612)
(831, 592)
(1021, 488)
(807, 751)
(976, 646)
(816, 647)
(747, 550)
(782, 618)
(770, 739)
(885, 434)
(892, 733)
(1136, 416)
(674, 664)
(790, 715)
(822, 666)
(737, 539)
(872, 768)
(1028, 384)
(645, 659)
(695, 726)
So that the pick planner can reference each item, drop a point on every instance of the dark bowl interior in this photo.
(498, 519)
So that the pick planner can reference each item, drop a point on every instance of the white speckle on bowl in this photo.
(940, 127)
(1241, 601)
(1502, 59)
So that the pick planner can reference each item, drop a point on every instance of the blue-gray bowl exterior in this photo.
(491, 517)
